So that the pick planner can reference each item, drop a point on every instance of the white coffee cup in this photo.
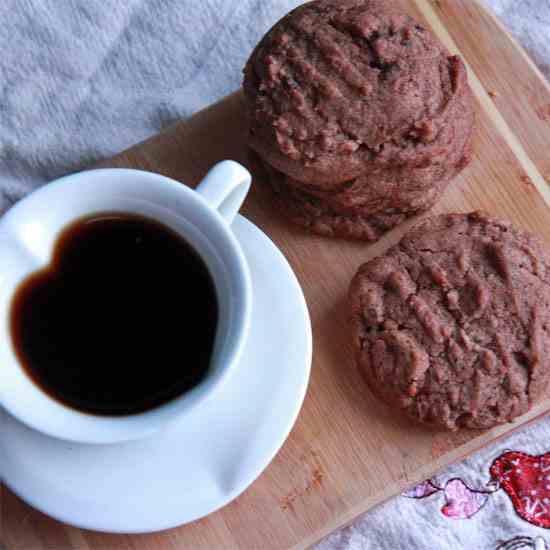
(28, 232)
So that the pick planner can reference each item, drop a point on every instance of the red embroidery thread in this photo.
(526, 480)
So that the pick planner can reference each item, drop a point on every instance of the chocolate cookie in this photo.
(338, 89)
(356, 221)
(396, 187)
(452, 325)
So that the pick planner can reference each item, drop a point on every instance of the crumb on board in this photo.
(493, 93)
(526, 180)
(287, 503)
(543, 112)
(440, 445)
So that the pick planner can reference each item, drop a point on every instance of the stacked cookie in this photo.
(359, 114)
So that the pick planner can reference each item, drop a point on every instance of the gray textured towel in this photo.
(82, 79)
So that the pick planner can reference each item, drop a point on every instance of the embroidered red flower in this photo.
(523, 477)
(526, 480)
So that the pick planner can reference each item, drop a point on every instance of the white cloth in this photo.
(82, 79)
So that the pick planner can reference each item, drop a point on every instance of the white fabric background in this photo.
(82, 79)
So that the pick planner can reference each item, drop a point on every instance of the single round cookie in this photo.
(452, 325)
(337, 88)
(352, 222)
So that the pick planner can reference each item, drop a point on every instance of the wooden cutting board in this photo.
(346, 452)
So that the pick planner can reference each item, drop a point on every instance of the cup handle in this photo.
(225, 187)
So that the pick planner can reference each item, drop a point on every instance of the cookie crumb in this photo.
(287, 502)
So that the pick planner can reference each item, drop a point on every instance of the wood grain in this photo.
(346, 452)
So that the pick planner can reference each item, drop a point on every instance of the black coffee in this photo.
(121, 321)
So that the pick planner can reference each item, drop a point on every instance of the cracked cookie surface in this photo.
(452, 325)
(339, 88)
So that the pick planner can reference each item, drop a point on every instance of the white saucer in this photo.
(207, 459)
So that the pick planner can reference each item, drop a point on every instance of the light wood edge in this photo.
(485, 101)
(496, 20)
(539, 410)
(424, 472)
